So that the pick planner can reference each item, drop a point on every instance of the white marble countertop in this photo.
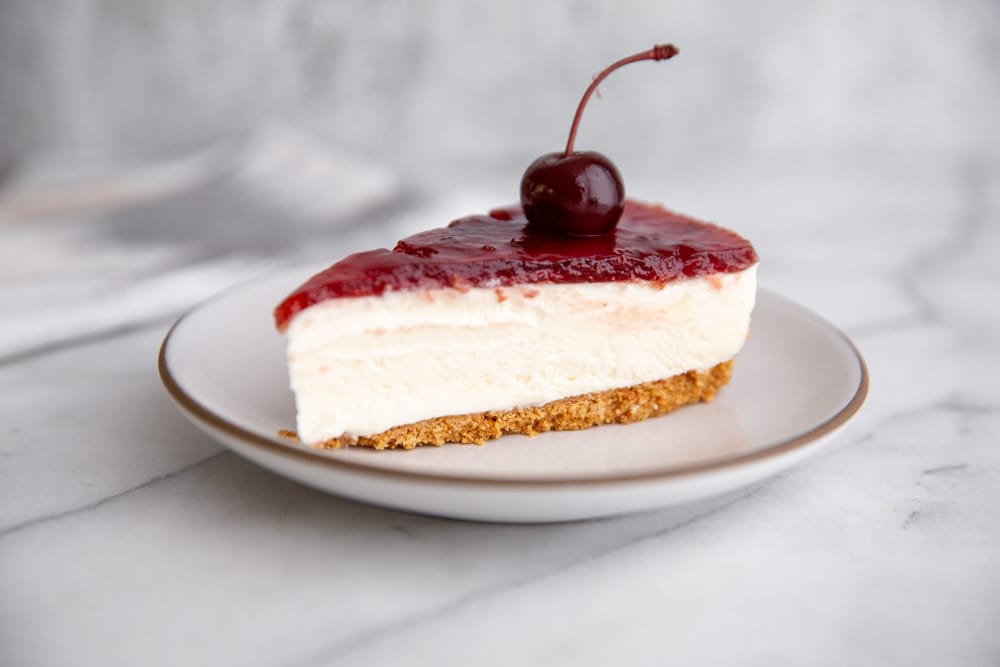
(128, 537)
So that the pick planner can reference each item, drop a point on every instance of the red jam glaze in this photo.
(499, 250)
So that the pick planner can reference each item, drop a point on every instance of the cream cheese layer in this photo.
(361, 365)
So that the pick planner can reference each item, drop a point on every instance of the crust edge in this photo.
(614, 406)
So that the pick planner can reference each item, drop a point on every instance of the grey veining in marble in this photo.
(125, 533)
(128, 537)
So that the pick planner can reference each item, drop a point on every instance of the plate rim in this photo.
(216, 421)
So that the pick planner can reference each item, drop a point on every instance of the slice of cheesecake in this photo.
(488, 327)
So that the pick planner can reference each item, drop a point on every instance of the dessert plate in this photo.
(796, 384)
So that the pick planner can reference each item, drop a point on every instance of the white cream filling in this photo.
(359, 366)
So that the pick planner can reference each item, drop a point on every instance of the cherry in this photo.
(580, 194)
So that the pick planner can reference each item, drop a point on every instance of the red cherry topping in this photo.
(580, 194)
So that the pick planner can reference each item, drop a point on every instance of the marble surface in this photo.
(128, 537)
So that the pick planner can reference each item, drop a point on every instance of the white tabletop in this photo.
(128, 537)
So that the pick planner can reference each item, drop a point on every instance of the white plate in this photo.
(796, 384)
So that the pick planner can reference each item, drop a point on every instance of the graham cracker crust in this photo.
(615, 406)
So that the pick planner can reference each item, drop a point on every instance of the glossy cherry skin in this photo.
(580, 194)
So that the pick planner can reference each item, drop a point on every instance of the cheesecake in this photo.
(491, 326)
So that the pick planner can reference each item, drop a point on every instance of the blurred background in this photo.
(177, 147)
(442, 89)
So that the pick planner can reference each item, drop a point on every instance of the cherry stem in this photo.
(658, 52)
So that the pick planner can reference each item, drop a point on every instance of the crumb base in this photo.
(615, 406)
